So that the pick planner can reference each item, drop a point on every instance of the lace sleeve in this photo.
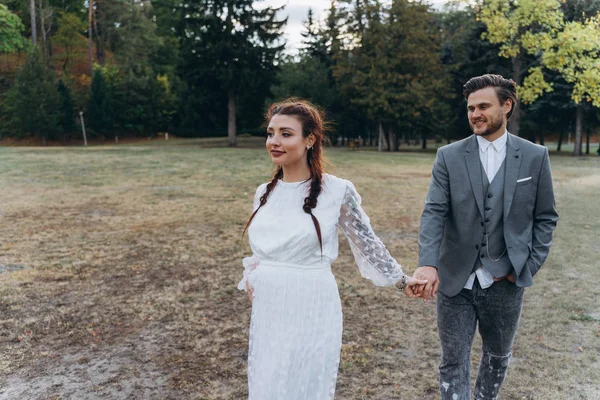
(373, 259)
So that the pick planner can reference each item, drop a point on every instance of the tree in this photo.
(465, 55)
(101, 110)
(11, 28)
(32, 102)
(33, 22)
(394, 72)
(574, 53)
(66, 109)
(69, 35)
(518, 26)
(229, 47)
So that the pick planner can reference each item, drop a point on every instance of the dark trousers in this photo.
(497, 310)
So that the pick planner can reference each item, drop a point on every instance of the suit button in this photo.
(481, 223)
(487, 220)
(489, 195)
(477, 246)
(483, 245)
(488, 208)
(482, 256)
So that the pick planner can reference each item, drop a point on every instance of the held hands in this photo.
(412, 285)
(429, 275)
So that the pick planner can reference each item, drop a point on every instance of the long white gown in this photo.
(296, 322)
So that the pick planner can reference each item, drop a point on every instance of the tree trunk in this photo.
(541, 136)
(423, 141)
(99, 47)
(387, 140)
(587, 139)
(90, 41)
(380, 135)
(33, 22)
(392, 139)
(42, 28)
(515, 119)
(578, 133)
(560, 139)
(231, 126)
(102, 52)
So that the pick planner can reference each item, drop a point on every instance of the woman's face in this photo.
(285, 142)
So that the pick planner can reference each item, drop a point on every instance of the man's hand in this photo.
(413, 287)
(429, 274)
(510, 277)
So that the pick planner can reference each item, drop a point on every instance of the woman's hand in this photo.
(251, 291)
(414, 287)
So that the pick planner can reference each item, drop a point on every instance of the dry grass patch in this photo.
(125, 259)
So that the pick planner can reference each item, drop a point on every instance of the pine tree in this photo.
(32, 102)
(100, 107)
(66, 110)
(229, 50)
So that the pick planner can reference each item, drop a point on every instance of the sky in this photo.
(296, 11)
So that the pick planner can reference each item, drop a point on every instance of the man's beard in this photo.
(493, 126)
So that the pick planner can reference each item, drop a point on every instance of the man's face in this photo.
(486, 115)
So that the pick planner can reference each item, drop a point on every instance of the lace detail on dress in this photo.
(373, 259)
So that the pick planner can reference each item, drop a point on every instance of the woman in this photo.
(296, 322)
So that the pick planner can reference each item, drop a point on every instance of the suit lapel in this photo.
(474, 170)
(513, 163)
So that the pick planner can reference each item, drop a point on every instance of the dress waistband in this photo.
(278, 264)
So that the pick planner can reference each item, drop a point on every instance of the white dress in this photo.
(296, 322)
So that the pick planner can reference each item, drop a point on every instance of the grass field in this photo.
(118, 267)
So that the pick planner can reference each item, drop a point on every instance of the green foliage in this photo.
(11, 27)
(66, 108)
(395, 73)
(521, 27)
(228, 48)
(574, 53)
(101, 107)
(31, 104)
(465, 55)
(69, 36)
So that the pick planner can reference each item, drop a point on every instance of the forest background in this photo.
(388, 73)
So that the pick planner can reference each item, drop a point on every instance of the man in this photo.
(485, 231)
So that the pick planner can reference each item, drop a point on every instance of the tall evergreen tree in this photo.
(101, 115)
(228, 47)
(31, 104)
(66, 109)
(393, 70)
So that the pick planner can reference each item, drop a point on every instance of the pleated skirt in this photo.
(295, 333)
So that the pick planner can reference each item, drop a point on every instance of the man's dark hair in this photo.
(505, 88)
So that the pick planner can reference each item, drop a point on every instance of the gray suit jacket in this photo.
(452, 221)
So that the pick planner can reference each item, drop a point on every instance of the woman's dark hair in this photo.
(313, 122)
(506, 89)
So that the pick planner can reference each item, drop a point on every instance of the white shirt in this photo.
(492, 155)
